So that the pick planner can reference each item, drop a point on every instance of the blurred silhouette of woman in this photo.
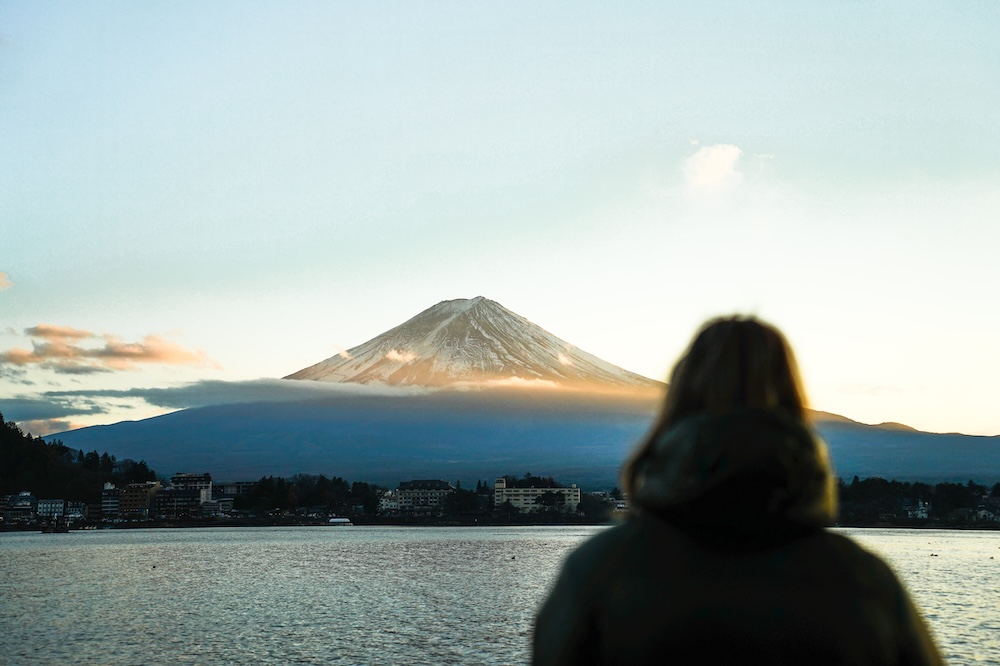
(725, 558)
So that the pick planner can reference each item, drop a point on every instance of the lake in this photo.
(371, 595)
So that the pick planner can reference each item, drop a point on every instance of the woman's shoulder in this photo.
(615, 546)
(863, 566)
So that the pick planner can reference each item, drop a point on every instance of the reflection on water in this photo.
(369, 595)
(953, 575)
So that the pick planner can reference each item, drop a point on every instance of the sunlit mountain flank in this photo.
(474, 341)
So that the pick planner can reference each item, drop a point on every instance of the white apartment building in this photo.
(528, 500)
(51, 508)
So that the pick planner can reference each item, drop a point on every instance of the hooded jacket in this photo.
(726, 560)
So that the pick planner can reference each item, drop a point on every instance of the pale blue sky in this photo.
(260, 184)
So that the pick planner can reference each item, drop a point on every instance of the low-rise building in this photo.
(388, 503)
(51, 508)
(75, 510)
(177, 502)
(110, 502)
(920, 509)
(137, 499)
(21, 508)
(423, 496)
(200, 482)
(530, 500)
(232, 488)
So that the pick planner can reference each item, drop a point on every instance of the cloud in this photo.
(5, 281)
(52, 332)
(14, 374)
(53, 411)
(60, 349)
(153, 349)
(48, 407)
(402, 357)
(565, 360)
(216, 392)
(43, 427)
(712, 166)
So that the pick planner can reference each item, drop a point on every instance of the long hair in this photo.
(732, 362)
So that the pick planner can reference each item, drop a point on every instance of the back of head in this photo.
(733, 363)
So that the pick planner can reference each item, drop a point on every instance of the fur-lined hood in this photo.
(741, 471)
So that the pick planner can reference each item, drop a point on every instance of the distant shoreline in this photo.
(424, 521)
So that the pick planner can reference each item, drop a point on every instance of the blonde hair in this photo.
(732, 362)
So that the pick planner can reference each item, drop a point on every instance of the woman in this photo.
(725, 558)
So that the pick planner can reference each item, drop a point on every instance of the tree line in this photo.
(52, 469)
(876, 500)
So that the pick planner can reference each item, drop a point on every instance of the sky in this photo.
(199, 195)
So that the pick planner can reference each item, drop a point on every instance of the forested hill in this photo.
(53, 470)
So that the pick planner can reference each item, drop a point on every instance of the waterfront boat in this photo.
(340, 522)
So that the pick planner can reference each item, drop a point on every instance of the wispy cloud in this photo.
(48, 406)
(52, 332)
(203, 394)
(402, 357)
(712, 166)
(565, 360)
(5, 281)
(42, 427)
(63, 349)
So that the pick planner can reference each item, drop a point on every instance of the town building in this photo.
(50, 508)
(388, 503)
(177, 502)
(231, 488)
(530, 500)
(199, 482)
(184, 496)
(20, 508)
(75, 510)
(136, 499)
(423, 496)
(920, 509)
(110, 501)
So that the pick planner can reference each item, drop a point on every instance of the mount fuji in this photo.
(466, 390)
(471, 341)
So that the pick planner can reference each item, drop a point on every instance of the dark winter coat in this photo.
(727, 561)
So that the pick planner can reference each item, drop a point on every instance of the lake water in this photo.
(371, 595)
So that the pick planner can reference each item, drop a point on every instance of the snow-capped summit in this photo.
(474, 341)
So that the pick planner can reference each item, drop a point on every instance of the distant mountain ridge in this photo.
(386, 411)
(471, 341)
(398, 434)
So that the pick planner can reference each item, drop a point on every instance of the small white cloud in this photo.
(402, 357)
(712, 166)
(342, 352)
(5, 281)
(565, 360)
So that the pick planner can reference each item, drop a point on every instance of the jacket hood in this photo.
(740, 471)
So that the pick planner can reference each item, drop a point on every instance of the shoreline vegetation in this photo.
(53, 470)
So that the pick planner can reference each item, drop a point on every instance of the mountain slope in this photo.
(476, 341)
(399, 434)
